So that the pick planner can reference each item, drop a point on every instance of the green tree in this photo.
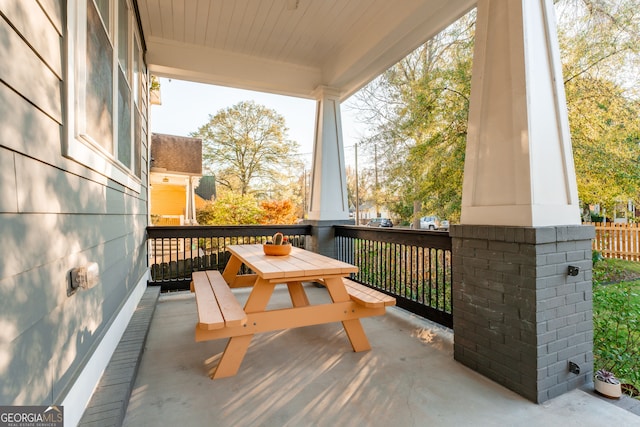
(246, 148)
(418, 110)
(419, 107)
(230, 209)
(605, 133)
(600, 45)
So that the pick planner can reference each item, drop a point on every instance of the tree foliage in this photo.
(230, 209)
(246, 148)
(600, 39)
(278, 212)
(238, 209)
(605, 133)
(600, 44)
(418, 110)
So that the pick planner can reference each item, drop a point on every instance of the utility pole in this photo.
(357, 192)
(375, 162)
(304, 191)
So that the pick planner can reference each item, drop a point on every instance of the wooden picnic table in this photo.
(220, 315)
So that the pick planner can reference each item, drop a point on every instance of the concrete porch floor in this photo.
(311, 377)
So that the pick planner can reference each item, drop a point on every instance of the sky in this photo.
(186, 106)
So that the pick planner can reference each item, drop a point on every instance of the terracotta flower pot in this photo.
(278, 250)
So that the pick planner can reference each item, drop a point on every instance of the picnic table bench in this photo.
(217, 305)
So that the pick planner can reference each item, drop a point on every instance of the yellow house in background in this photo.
(176, 169)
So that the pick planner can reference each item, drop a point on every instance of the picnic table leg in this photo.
(259, 296)
(232, 357)
(297, 294)
(357, 337)
(353, 328)
(231, 270)
(237, 347)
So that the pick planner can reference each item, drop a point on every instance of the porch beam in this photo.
(213, 66)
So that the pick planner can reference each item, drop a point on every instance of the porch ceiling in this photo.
(288, 47)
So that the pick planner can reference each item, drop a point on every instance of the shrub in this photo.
(616, 327)
(596, 257)
(278, 212)
(230, 209)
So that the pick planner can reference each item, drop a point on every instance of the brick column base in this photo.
(322, 239)
(519, 318)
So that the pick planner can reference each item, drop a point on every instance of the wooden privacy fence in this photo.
(617, 240)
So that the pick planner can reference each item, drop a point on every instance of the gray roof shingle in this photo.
(176, 153)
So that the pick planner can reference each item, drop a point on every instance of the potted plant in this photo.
(154, 91)
(279, 245)
(607, 384)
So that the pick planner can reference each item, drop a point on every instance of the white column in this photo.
(519, 167)
(328, 174)
(195, 182)
(188, 211)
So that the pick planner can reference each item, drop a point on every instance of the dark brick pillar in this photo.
(519, 318)
(322, 236)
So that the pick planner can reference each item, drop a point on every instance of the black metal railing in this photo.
(177, 251)
(413, 266)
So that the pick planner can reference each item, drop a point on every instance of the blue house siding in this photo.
(55, 214)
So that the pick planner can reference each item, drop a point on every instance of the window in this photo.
(104, 94)
(103, 8)
(138, 93)
(99, 78)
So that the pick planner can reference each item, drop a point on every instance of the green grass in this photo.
(615, 270)
(616, 319)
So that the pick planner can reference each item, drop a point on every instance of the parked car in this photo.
(433, 222)
(380, 222)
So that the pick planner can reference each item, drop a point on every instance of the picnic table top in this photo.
(299, 263)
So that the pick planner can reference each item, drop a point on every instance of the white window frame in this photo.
(79, 146)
